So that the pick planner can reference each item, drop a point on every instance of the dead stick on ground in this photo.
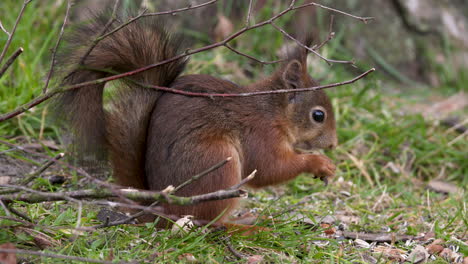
(171, 191)
(383, 237)
(133, 194)
(44, 167)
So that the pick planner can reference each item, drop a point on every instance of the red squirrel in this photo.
(154, 139)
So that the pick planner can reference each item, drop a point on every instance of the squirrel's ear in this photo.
(292, 75)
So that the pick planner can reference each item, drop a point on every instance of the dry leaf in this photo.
(434, 249)
(182, 226)
(390, 253)
(7, 258)
(255, 259)
(328, 229)
(188, 258)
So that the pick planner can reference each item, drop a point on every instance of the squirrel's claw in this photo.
(323, 168)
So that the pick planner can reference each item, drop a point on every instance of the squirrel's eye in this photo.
(318, 115)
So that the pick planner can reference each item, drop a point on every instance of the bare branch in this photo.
(3, 29)
(175, 11)
(200, 175)
(281, 91)
(363, 19)
(101, 33)
(10, 36)
(112, 187)
(329, 61)
(20, 214)
(190, 52)
(244, 181)
(330, 35)
(10, 61)
(44, 167)
(380, 237)
(249, 12)
(144, 14)
(5, 208)
(251, 57)
(44, 97)
(54, 51)
(34, 196)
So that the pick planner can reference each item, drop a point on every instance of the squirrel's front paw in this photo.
(323, 168)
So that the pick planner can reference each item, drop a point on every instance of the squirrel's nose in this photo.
(333, 144)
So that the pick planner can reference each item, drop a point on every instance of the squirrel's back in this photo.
(119, 132)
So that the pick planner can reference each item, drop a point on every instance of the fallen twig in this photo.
(377, 237)
(132, 194)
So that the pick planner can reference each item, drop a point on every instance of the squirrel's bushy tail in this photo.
(116, 127)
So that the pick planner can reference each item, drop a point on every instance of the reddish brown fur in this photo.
(159, 139)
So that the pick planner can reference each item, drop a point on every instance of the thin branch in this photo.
(20, 214)
(5, 208)
(379, 237)
(28, 105)
(51, 255)
(251, 57)
(329, 61)
(330, 35)
(44, 97)
(249, 12)
(34, 196)
(237, 254)
(203, 173)
(245, 180)
(175, 11)
(363, 19)
(101, 33)
(188, 52)
(247, 94)
(112, 187)
(10, 36)
(30, 177)
(11, 218)
(149, 207)
(3, 29)
(44, 167)
(10, 61)
(144, 14)
(54, 51)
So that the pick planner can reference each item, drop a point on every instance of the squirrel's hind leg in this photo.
(197, 157)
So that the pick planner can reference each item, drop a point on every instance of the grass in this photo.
(379, 133)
